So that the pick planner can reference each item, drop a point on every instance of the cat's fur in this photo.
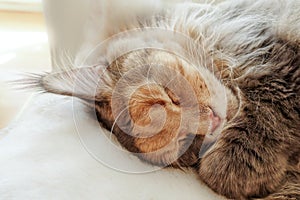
(237, 61)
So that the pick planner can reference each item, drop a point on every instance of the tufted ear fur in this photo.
(88, 83)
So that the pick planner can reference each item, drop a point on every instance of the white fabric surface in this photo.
(42, 157)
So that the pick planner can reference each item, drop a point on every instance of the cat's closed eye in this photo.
(174, 98)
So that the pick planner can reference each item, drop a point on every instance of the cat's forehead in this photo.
(155, 61)
(167, 69)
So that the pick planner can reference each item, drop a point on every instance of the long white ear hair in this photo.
(87, 83)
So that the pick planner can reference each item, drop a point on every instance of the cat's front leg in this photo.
(239, 168)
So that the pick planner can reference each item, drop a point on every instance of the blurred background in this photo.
(23, 48)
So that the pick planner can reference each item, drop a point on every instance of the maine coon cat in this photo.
(225, 75)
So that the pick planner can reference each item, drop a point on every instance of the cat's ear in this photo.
(88, 83)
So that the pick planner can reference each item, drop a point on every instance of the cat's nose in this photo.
(215, 121)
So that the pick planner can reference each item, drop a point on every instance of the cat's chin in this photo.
(161, 158)
(182, 153)
(170, 155)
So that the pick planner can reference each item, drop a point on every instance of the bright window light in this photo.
(21, 5)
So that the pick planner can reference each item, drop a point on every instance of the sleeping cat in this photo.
(213, 87)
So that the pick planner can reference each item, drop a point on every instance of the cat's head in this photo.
(157, 104)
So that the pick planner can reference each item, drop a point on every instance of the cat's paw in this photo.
(237, 172)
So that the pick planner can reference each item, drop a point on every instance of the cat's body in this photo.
(231, 71)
